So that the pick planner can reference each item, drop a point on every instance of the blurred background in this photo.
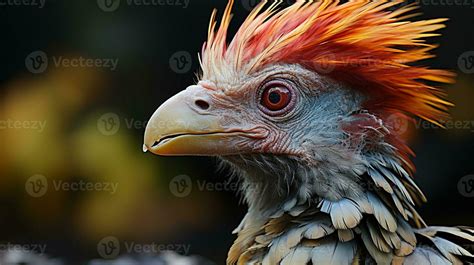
(78, 82)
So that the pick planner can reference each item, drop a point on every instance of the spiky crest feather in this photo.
(361, 43)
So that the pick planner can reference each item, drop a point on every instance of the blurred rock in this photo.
(168, 258)
(16, 257)
(19, 257)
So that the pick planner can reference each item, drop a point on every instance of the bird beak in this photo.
(186, 125)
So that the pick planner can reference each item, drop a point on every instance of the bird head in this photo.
(278, 110)
(315, 83)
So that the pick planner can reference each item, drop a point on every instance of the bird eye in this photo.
(275, 98)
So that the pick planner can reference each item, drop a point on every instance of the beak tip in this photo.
(145, 148)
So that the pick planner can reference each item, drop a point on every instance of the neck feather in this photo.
(273, 185)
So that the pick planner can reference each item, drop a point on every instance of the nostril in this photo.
(202, 104)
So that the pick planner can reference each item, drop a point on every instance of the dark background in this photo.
(73, 146)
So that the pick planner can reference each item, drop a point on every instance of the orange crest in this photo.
(369, 45)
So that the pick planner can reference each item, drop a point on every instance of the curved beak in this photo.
(187, 124)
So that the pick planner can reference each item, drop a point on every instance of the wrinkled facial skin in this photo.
(283, 109)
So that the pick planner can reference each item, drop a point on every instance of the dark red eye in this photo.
(276, 97)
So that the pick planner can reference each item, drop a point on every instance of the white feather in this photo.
(345, 214)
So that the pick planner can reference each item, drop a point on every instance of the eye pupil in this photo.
(274, 97)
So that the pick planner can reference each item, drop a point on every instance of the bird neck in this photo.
(272, 185)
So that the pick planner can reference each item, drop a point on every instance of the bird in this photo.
(302, 106)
